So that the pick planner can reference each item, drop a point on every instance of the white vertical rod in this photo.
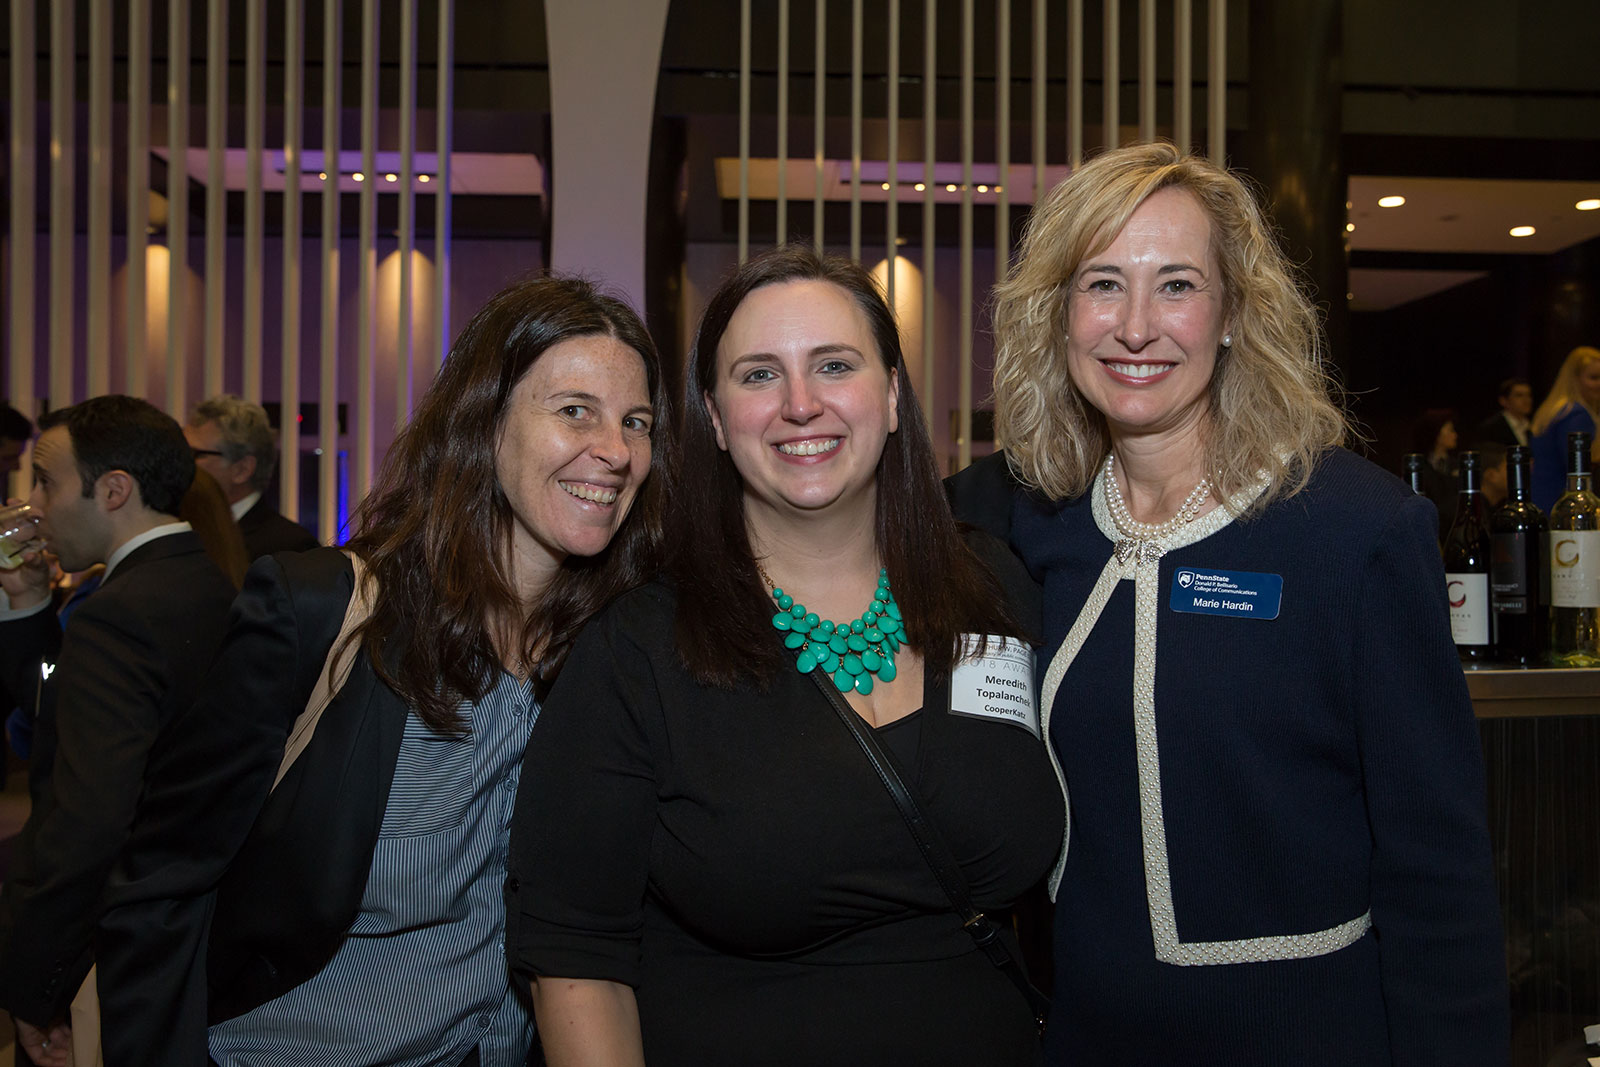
(744, 130)
(1182, 73)
(97, 337)
(819, 120)
(1040, 77)
(216, 287)
(930, 150)
(783, 123)
(964, 370)
(63, 115)
(1217, 87)
(1074, 82)
(1002, 140)
(445, 108)
(254, 200)
(135, 363)
(855, 130)
(177, 205)
(408, 210)
(892, 217)
(294, 69)
(328, 355)
(24, 202)
(1111, 74)
(1147, 70)
(367, 263)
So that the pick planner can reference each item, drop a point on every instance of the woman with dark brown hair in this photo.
(361, 920)
(731, 882)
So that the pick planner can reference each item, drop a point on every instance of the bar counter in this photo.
(1540, 729)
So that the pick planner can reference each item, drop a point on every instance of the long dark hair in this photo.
(723, 618)
(436, 531)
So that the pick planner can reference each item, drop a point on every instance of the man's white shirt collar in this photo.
(243, 504)
(125, 549)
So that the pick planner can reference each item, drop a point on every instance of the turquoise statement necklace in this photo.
(854, 653)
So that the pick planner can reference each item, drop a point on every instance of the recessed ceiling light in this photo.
(949, 188)
(920, 187)
(358, 176)
(1349, 227)
(999, 188)
(983, 188)
(391, 177)
(1587, 205)
(886, 187)
(1391, 201)
(322, 175)
(423, 178)
(1522, 231)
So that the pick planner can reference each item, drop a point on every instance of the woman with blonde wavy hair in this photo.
(1573, 406)
(1278, 849)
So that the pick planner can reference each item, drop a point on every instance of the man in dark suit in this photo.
(1508, 426)
(233, 442)
(108, 477)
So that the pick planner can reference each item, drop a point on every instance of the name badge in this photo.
(997, 685)
(1241, 594)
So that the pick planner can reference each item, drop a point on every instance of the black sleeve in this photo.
(113, 674)
(981, 494)
(585, 812)
(202, 797)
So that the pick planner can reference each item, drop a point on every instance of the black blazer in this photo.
(265, 532)
(126, 667)
(279, 878)
(980, 494)
(1497, 430)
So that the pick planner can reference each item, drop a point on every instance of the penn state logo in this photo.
(1186, 578)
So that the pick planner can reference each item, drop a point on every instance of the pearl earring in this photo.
(1227, 340)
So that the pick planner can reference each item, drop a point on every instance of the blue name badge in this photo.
(1241, 594)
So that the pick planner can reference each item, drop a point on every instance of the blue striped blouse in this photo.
(421, 979)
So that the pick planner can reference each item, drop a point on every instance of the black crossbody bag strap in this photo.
(985, 934)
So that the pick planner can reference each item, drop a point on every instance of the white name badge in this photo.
(996, 685)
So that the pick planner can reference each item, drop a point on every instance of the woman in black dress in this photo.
(705, 869)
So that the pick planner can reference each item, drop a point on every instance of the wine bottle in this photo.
(1466, 567)
(1575, 564)
(1411, 467)
(1519, 582)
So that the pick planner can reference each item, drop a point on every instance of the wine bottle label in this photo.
(1469, 608)
(1575, 568)
(1508, 573)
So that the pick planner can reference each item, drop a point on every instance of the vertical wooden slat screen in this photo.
(1074, 82)
(254, 200)
(930, 151)
(855, 129)
(361, 426)
(1182, 74)
(1147, 70)
(820, 120)
(328, 356)
(63, 108)
(134, 365)
(744, 130)
(891, 236)
(782, 227)
(216, 288)
(408, 209)
(24, 202)
(1217, 84)
(1041, 72)
(177, 203)
(97, 333)
(1002, 141)
(1111, 73)
(293, 143)
(964, 331)
(441, 226)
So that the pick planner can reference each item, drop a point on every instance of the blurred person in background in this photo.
(234, 443)
(1510, 425)
(1434, 435)
(1573, 406)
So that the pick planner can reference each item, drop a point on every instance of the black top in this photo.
(265, 532)
(731, 855)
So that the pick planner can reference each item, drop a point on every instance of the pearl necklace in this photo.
(1141, 540)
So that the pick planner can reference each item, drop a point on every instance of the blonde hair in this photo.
(1273, 406)
(1564, 394)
